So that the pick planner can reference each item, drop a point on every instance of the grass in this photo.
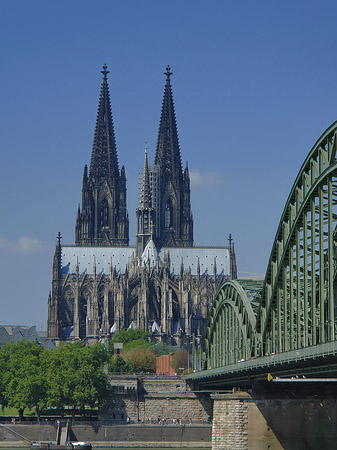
(30, 412)
(7, 411)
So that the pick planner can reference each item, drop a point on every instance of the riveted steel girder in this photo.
(298, 301)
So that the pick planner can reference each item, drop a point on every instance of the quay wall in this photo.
(139, 411)
(147, 398)
(114, 435)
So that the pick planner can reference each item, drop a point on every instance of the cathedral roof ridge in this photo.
(194, 247)
(211, 246)
(98, 247)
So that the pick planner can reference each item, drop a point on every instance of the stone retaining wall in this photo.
(116, 435)
(154, 397)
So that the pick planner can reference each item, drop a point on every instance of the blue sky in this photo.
(254, 85)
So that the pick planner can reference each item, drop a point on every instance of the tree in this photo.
(127, 336)
(119, 365)
(179, 361)
(141, 360)
(3, 365)
(163, 349)
(76, 375)
(24, 380)
(91, 383)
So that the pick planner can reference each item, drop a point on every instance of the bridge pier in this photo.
(238, 424)
(290, 420)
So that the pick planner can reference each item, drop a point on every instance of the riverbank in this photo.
(113, 436)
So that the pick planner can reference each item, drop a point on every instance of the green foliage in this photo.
(141, 360)
(3, 366)
(25, 384)
(119, 365)
(131, 339)
(71, 375)
(163, 349)
(137, 344)
(76, 376)
(179, 361)
(126, 336)
(138, 352)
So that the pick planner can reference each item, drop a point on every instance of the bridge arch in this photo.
(298, 299)
(230, 327)
(297, 303)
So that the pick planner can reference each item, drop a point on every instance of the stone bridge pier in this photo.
(286, 417)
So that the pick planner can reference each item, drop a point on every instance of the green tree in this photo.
(23, 378)
(3, 366)
(119, 365)
(141, 360)
(52, 365)
(125, 336)
(76, 375)
(163, 349)
(179, 361)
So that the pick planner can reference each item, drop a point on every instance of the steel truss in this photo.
(297, 305)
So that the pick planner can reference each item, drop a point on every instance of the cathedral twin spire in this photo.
(168, 152)
(165, 191)
(174, 227)
(103, 219)
(104, 161)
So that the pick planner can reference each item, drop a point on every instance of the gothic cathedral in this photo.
(164, 283)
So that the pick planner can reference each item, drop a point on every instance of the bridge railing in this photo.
(328, 349)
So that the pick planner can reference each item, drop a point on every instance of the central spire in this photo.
(145, 194)
(104, 161)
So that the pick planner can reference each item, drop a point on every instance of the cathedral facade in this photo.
(163, 284)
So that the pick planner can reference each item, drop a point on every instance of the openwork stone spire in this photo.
(174, 224)
(103, 219)
(104, 161)
(145, 193)
(168, 152)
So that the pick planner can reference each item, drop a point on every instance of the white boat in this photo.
(69, 446)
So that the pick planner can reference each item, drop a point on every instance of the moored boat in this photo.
(69, 446)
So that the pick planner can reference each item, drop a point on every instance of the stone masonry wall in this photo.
(185, 407)
(230, 422)
(113, 435)
(154, 397)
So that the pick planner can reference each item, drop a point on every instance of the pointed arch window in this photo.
(104, 213)
(146, 222)
(139, 223)
(168, 214)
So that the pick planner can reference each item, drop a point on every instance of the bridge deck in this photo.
(319, 360)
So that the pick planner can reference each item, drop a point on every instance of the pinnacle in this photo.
(145, 199)
(105, 71)
(168, 73)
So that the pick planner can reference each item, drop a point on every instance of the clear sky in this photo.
(254, 84)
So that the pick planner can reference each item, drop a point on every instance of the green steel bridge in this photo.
(285, 325)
